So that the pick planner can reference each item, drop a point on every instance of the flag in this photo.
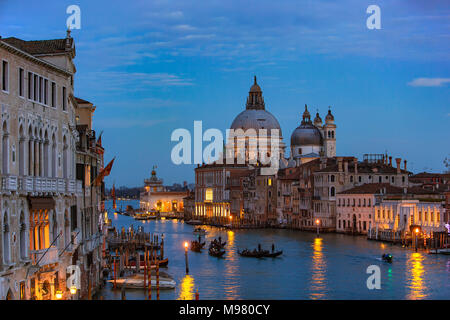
(99, 140)
(104, 173)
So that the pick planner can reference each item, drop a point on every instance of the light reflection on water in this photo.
(187, 288)
(330, 267)
(318, 271)
(416, 283)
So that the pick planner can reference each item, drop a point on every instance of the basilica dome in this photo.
(255, 116)
(307, 134)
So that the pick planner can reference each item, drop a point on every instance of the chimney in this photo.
(390, 161)
(340, 163)
(398, 160)
(405, 164)
(355, 163)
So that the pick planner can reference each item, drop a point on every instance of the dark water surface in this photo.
(332, 266)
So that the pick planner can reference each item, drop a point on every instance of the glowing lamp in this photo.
(73, 289)
(59, 294)
(231, 217)
(317, 221)
(186, 244)
(417, 230)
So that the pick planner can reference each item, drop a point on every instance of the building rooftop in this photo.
(38, 47)
(386, 188)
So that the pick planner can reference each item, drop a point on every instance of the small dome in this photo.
(317, 119)
(306, 135)
(329, 116)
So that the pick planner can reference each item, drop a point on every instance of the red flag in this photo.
(104, 173)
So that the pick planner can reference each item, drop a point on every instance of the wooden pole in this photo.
(145, 267)
(149, 281)
(115, 271)
(157, 280)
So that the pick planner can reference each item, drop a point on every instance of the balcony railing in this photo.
(40, 184)
(45, 256)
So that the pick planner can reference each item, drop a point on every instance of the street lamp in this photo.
(73, 290)
(186, 256)
(317, 223)
(58, 294)
(416, 230)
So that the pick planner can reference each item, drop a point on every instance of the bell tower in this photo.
(329, 135)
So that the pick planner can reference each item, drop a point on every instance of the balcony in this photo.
(9, 183)
(44, 257)
(32, 184)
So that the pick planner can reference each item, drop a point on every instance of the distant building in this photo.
(157, 197)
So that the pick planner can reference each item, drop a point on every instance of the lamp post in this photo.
(416, 231)
(186, 256)
(317, 223)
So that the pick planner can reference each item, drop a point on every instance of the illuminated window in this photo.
(209, 195)
(270, 182)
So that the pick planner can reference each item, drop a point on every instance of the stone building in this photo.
(157, 197)
(40, 208)
(347, 173)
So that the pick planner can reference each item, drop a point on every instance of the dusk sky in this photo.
(151, 67)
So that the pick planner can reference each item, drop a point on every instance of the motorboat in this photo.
(387, 257)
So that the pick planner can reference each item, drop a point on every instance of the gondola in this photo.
(216, 252)
(197, 246)
(217, 244)
(274, 254)
(253, 254)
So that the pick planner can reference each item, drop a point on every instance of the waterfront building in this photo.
(39, 188)
(87, 232)
(157, 197)
(189, 206)
(347, 173)
(287, 196)
(42, 206)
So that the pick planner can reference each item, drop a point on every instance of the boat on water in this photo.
(387, 257)
(440, 251)
(200, 231)
(144, 216)
(217, 244)
(260, 253)
(162, 263)
(194, 222)
(137, 282)
(216, 252)
(197, 246)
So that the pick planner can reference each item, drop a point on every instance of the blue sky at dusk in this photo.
(151, 67)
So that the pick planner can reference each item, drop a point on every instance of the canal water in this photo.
(331, 266)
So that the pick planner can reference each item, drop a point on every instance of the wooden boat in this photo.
(138, 283)
(200, 231)
(197, 246)
(162, 263)
(194, 222)
(216, 252)
(274, 254)
(253, 254)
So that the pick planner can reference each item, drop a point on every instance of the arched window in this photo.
(332, 178)
(332, 134)
(65, 158)
(332, 191)
(53, 156)
(5, 149)
(6, 236)
(21, 152)
(46, 155)
(23, 237)
(351, 178)
(30, 152)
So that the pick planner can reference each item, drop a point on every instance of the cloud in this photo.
(428, 82)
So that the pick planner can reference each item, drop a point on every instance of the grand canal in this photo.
(330, 266)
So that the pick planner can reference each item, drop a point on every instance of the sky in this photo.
(151, 67)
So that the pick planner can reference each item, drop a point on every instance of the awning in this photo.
(41, 203)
